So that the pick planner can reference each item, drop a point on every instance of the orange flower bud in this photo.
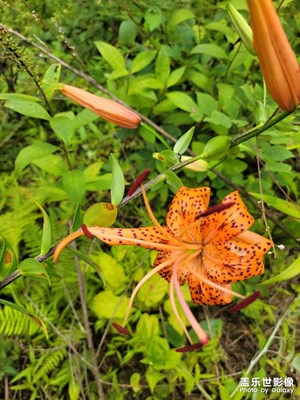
(107, 109)
(277, 60)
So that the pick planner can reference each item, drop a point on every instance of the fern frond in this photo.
(13, 225)
(13, 323)
(47, 363)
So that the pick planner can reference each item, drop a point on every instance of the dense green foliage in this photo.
(181, 65)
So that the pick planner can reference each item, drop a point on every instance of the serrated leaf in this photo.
(112, 55)
(142, 60)
(33, 152)
(46, 236)
(50, 80)
(209, 49)
(118, 182)
(28, 108)
(107, 305)
(184, 141)
(100, 214)
(292, 271)
(285, 206)
(113, 272)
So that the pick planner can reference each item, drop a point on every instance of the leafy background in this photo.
(180, 64)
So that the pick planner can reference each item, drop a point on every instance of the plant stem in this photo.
(256, 131)
(264, 350)
(87, 328)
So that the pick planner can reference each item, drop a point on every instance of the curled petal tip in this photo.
(86, 232)
(61, 245)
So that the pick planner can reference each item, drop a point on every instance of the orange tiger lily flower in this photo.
(207, 247)
(105, 108)
(277, 60)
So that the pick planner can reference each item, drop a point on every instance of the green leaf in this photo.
(33, 152)
(127, 32)
(113, 272)
(285, 206)
(175, 76)
(173, 181)
(74, 390)
(46, 237)
(63, 128)
(112, 55)
(118, 181)
(183, 101)
(209, 49)
(50, 82)
(184, 141)
(206, 103)
(28, 108)
(100, 214)
(277, 153)
(153, 19)
(218, 118)
(77, 219)
(18, 97)
(180, 15)
(162, 65)
(32, 268)
(74, 185)
(142, 60)
(292, 271)
(106, 304)
(153, 377)
(168, 157)
(25, 312)
(153, 291)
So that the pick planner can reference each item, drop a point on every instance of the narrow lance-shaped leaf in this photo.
(46, 237)
(292, 271)
(118, 182)
(184, 141)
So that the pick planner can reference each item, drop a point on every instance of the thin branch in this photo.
(88, 332)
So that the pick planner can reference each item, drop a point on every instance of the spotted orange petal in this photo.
(223, 226)
(150, 237)
(167, 272)
(203, 293)
(185, 208)
(234, 260)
